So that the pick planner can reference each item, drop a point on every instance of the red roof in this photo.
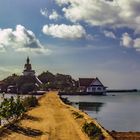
(86, 81)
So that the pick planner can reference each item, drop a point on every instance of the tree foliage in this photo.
(26, 84)
(58, 81)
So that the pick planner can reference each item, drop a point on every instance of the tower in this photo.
(28, 68)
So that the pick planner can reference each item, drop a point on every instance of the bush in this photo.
(11, 109)
(30, 102)
(66, 101)
(77, 115)
(92, 131)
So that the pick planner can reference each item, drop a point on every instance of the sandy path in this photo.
(52, 120)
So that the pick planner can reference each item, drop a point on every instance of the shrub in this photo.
(30, 102)
(11, 109)
(77, 115)
(66, 101)
(92, 131)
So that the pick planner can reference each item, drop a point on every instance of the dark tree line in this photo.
(25, 84)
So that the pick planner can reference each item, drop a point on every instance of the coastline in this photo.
(55, 120)
(41, 121)
(99, 93)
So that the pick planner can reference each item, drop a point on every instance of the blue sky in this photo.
(83, 38)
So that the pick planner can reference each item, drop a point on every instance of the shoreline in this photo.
(55, 120)
(51, 99)
(96, 93)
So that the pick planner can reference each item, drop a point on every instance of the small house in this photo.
(91, 85)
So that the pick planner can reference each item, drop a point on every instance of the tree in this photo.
(46, 77)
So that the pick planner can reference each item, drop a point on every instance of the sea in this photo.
(115, 111)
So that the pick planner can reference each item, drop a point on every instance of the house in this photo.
(91, 85)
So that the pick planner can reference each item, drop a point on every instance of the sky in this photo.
(82, 38)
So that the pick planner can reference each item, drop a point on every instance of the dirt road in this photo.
(50, 121)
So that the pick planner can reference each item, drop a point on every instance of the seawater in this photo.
(116, 111)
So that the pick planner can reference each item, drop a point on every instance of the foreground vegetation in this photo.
(93, 131)
(12, 109)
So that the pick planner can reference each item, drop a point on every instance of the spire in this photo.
(28, 60)
(28, 68)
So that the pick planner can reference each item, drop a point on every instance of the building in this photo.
(28, 72)
(91, 85)
(28, 68)
(28, 82)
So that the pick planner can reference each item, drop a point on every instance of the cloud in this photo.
(114, 14)
(90, 37)
(129, 42)
(44, 12)
(137, 44)
(2, 48)
(126, 40)
(20, 39)
(109, 34)
(54, 15)
(64, 31)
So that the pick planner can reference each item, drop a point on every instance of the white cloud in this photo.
(137, 44)
(20, 39)
(119, 13)
(109, 34)
(2, 48)
(44, 12)
(90, 37)
(64, 31)
(54, 15)
(127, 41)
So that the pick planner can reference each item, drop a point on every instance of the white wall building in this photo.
(92, 85)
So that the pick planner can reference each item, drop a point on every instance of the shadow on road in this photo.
(29, 117)
(25, 130)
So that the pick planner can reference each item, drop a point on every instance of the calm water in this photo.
(120, 112)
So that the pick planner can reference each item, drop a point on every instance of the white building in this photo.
(91, 85)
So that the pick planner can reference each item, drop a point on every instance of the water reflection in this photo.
(89, 106)
(120, 112)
